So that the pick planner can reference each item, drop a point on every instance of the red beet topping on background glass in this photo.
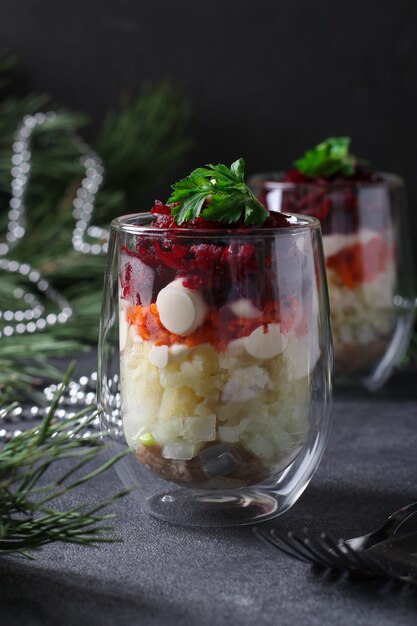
(328, 165)
(365, 244)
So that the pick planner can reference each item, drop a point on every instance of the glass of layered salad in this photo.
(367, 249)
(215, 357)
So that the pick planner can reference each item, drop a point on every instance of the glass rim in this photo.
(388, 180)
(128, 224)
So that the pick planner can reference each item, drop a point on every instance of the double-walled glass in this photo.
(215, 367)
(369, 267)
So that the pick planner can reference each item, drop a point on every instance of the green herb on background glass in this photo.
(328, 158)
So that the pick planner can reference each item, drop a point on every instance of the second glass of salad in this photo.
(367, 250)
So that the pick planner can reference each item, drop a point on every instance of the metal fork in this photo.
(388, 530)
(350, 555)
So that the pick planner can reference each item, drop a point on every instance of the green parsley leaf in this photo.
(328, 158)
(227, 195)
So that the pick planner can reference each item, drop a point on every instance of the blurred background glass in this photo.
(367, 245)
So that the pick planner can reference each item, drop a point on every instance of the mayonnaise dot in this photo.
(245, 308)
(181, 310)
(158, 355)
(265, 343)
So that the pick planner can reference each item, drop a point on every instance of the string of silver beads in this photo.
(30, 321)
(21, 169)
(84, 205)
(78, 396)
(82, 393)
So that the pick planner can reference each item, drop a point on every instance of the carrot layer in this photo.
(218, 329)
(361, 263)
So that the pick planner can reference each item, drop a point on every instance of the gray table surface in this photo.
(165, 574)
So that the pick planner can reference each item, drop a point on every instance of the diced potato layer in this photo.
(201, 397)
(363, 314)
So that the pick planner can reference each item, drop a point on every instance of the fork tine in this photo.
(344, 555)
(309, 549)
(301, 547)
(312, 547)
(353, 560)
(334, 560)
(282, 543)
(290, 541)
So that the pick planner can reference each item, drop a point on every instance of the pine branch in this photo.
(27, 519)
(138, 144)
(141, 143)
(25, 365)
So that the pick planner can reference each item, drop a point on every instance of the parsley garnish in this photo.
(328, 158)
(227, 195)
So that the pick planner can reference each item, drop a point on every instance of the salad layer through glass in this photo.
(358, 241)
(218, 338)
(353, 204)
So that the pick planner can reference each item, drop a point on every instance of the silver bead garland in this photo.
(24, 319)
(78, 396)
(19, 322)
(81, 393)
(84, 205)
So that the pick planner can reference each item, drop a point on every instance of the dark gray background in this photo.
(266, 78)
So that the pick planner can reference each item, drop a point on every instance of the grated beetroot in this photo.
(125, 278)
(164, 220)
(218, 267)
(332, 200)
